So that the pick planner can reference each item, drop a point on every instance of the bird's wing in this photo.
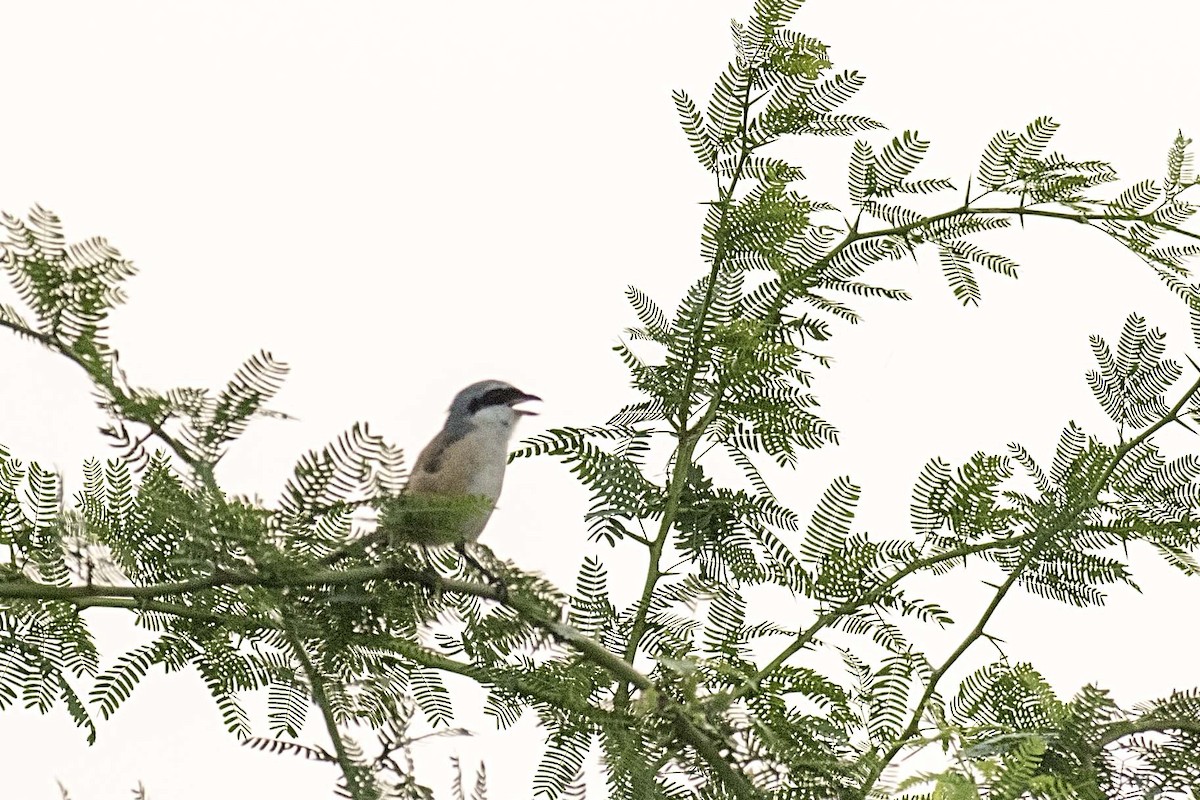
(446, 466)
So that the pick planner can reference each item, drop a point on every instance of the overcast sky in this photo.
(401, 198)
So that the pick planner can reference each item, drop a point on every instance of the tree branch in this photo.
(1119, 730)
(1042, 537)
(353, 772)
(138, 597)
(688, 435)
(829, 617)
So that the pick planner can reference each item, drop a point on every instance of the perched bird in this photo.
(464, 464)
(456, 480)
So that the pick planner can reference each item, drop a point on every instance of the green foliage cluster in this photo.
(691, 690)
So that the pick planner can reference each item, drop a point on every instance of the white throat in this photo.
(498, 421)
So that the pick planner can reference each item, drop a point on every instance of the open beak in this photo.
(524, 398)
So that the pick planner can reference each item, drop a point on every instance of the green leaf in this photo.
(897, 161)
(830, 523)
(693, 127)
(1034, 140)
(725, 108)
(863, 180)
(834, 91)
(957, 270)
(929, 497)
(1136, 199)
(996, 167)
(1179, 163)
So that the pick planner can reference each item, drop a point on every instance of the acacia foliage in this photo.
(690, 690)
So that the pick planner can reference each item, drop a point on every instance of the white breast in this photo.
(493, 429)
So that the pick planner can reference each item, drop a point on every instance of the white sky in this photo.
(401, 198)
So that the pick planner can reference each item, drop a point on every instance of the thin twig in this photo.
(353, 772)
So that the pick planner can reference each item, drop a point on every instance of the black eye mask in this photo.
(506, 396)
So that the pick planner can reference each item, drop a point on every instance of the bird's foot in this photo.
(495, 580)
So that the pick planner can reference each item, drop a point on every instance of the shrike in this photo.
(456, 480)
(467, 459)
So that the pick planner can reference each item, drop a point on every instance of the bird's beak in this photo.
(525, 398)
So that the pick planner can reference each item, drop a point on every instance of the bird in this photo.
(456, 480)
(467, 459)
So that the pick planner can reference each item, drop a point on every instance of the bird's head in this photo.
(489, 403)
